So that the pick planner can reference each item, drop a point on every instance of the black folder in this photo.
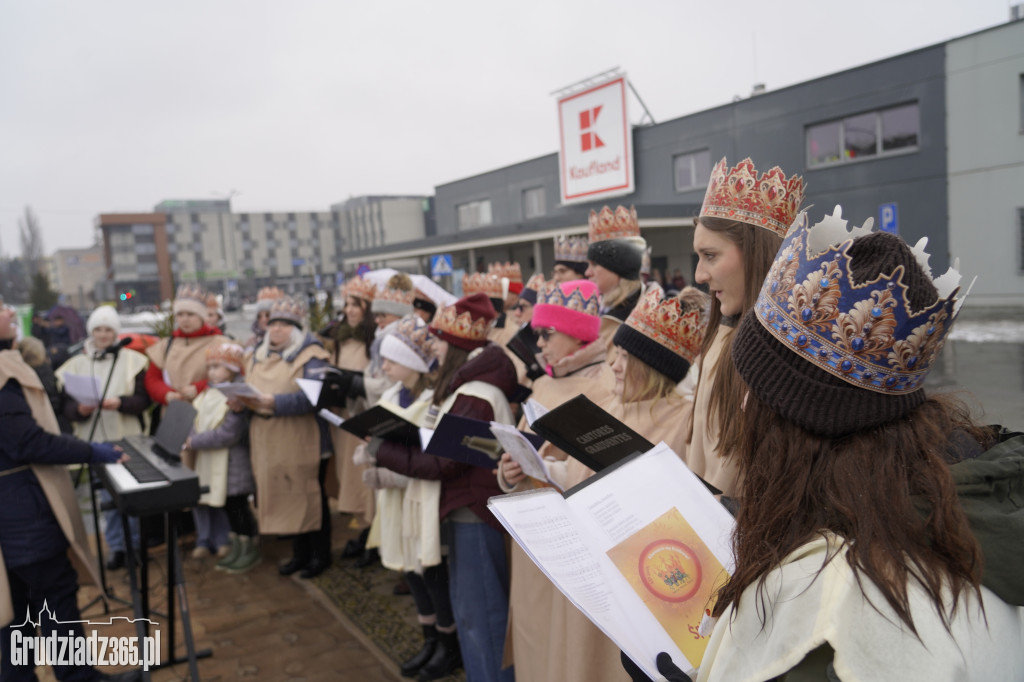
(380, 422)
(588, 433)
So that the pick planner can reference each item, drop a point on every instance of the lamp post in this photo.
(223, 243)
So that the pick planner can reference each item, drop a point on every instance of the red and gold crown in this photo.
(360, 288)
(677, 323)
(449, 321)
(230, 355)
(191, 299)
(771, 201)
(266, 297)
(512, 271)
(571, 249)
(387, 295)
(482, 283)
(289, 310)
(536, 283)
(621, 224)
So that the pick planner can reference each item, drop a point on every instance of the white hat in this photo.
(104, 316)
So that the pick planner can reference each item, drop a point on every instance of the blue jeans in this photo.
(113, 530)
(212, 526)
(478, 569)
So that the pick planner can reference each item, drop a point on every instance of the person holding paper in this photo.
(879, 530)
(122, 413)
(289, 446)
(653, 352)
(475, 380)
(741, 224)
(408, 484)
(224, 522)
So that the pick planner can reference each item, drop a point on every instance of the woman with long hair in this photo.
(653, 350)
(879, 529)
(741, 225)
(475, 379)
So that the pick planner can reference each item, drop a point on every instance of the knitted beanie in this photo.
(665, 333)
(615, 241)
(466, 323)
(788, 380)
(572, 308)
(103, 316)
(410, 344)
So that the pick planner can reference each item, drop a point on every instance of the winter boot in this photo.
(229, 558)
(414, 664)
(320, 558)
(301, 552)
(446, 659)
(248, 555)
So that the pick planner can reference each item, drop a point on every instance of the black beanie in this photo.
(652, 353)
(622, 256)
(574, 265)
(789, 383)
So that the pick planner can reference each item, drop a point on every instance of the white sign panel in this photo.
(596, 143)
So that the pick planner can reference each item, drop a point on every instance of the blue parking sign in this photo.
(889, 218)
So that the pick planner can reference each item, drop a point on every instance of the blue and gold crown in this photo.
(865, 333)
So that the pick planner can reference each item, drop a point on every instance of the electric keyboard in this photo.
(149, 483)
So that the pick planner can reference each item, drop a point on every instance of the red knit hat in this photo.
(572, 308)
(466, 323)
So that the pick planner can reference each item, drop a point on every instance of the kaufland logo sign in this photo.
(596, 143)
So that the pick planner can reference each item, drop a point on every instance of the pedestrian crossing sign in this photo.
(441, 264)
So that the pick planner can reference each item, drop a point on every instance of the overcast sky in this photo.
(113, 106)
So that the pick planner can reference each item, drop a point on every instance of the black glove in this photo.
(357, 389)
(666, 667)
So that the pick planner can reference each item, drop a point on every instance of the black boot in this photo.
(354, 548)
(301, 551)
(446, 659)
(369, 558)
(116, 560)
(320, 557)
(423, 656)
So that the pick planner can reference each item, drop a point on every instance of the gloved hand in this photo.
(666, 667)
(377, 478)
(362, 457)
(105, 453)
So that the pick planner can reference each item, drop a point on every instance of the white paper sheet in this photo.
(234, 390)
(311, 388)
(533, 411)
(85, 390)
(521, 450)
(331, 418)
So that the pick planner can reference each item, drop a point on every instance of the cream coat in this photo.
(211, 465)
(285, 451)
(703, 456)
(353, 496)
(53, 479)
(113, 425)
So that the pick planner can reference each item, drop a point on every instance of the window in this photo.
(1020, 89)
(474, 214)
(534, 203)
(863, 136)
(692, 170)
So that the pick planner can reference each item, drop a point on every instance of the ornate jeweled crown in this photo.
(383, 294)
(360, 288)
(572, 249)
(771, 201)
(510, 270)
(618, 225)
(291, 309)
(664, 320)
(536, 282)
(415, 333)
(462, 326)
(190, 292)
(864, 333)
(552, 294)
(228, 354)
(482, 283)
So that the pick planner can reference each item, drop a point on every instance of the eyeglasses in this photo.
(546, 333)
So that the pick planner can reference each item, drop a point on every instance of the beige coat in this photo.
(53, 479)
(703, 456)
(550, 638)
(285, 451)
(353, 496)
(186, 362)
(113, 425)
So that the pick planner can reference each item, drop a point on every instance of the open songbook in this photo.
(639, 548)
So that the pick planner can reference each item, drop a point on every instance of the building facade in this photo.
(79, 276)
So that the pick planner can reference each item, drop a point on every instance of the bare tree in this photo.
(31, 241)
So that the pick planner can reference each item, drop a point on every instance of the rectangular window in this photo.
(474, 214)
(863, 136)
(534, 203)
(692, 170)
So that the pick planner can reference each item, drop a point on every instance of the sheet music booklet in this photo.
(640, 548)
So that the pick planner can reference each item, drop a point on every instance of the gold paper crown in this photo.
(212, 301)
(384, 294)
(511, 271)
(536, 282)
(771, 201)
(481, 283)
(463, 325)
(190, 292)
(621, 224)
(360, 288)
(669, 322)
(290, 309)
(269, 294)
(229, 354)
(571, 249)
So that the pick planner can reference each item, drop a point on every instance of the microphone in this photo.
(115, 348)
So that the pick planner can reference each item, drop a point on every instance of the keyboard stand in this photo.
(175, 587)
